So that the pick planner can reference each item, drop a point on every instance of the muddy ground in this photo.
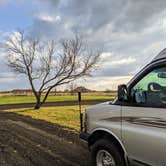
(28, 142)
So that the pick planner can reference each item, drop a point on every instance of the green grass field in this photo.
(31, 99)
(66, 116)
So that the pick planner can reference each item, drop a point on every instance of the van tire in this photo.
(110, 147)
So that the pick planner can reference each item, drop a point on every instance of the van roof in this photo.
(161, 55)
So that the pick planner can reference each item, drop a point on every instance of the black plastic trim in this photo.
(84, 136)
(139, 163)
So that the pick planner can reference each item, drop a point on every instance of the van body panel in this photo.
(144, 134)
(105, 116)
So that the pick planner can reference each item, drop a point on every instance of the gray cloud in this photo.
(117, 71)
(109, 25)
(122, 15)
(138, 15)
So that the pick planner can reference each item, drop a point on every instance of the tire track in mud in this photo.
(49, 141)
(24, 145)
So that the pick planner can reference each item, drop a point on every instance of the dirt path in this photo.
(53, 104)
(28, 142)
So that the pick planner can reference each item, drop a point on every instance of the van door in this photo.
(144, 120)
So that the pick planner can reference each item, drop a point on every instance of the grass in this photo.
(66, 116)
(31, 99)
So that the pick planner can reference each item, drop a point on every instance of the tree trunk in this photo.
(38, 103)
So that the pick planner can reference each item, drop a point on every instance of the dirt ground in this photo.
(50, 104)
(28, 142)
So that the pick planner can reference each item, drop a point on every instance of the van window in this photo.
(151, 90)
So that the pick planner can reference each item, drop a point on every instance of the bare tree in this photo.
(72, 87)
(54, 90)
(47, 65)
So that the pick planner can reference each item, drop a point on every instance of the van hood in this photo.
(100, 105)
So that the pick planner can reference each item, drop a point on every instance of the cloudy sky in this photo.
(129, 32)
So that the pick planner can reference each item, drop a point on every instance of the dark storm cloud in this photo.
(89, 16)
(83, 16)
(139, 14)
(113, 26)
(109, 25)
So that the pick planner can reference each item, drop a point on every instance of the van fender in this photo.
(116, 138)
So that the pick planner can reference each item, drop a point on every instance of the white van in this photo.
(131, 130)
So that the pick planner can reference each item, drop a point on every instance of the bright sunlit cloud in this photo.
(48, 18)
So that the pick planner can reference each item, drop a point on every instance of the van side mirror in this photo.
(122, 93)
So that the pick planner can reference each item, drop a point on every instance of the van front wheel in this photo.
(105, 153)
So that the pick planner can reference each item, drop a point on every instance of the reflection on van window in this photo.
(151, 89)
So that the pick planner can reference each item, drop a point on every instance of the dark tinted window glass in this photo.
(151, 90)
